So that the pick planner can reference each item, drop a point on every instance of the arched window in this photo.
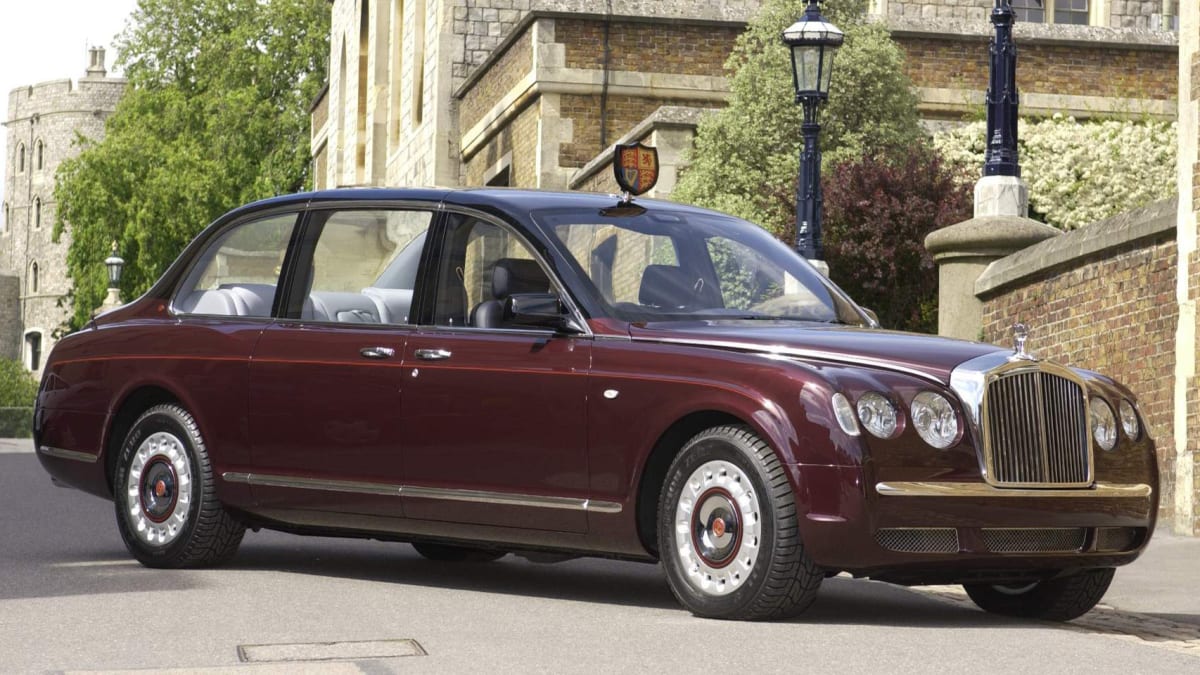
(34, 285)
(418, 61)
(37, 212)
(397, 65)
(364, 37)
(20, 158)
(33, 350)
(39, 152)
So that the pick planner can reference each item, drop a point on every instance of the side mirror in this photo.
(539, 310)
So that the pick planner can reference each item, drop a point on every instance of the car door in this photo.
(494, 415)
(326, 379)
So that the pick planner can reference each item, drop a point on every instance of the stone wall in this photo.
(10, 315)
(504, 73)
(1101, 298)
(46, 116)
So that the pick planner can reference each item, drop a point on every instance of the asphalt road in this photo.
(72, 600)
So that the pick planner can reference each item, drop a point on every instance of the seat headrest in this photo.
(665, 286)
(514, 275)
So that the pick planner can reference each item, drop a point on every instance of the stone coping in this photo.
(1073, 248)
(1034, 33)
(665, 116)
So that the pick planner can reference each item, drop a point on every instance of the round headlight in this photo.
(934, 419)
(877, 414)
(1104, 424)
(1129, 420)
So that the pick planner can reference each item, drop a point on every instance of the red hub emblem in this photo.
(718, 527)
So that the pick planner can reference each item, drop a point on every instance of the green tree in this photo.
(18, 389)
(215, 115)
(746, 157)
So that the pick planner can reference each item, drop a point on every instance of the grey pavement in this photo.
(72, 600)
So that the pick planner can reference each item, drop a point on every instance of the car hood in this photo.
(928, 355)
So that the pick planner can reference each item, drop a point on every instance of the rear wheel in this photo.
(450, 553)
(166, 504)
(727, 530)
(1060, 599)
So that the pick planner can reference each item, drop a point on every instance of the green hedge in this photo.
(16, 422)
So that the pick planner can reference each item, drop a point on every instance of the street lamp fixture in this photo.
(115, 264)
(813, 41)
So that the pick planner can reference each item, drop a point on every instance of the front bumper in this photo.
(955, 531)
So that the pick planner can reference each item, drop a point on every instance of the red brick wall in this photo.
(648, 47)
(500, 78)
(1051, 69)
(1116, 315)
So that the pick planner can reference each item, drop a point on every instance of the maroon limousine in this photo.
(487, 371)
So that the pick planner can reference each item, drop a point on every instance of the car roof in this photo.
(517, 202)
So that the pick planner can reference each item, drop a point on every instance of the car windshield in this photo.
(662, 265)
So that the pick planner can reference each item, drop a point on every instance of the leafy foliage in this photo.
(877, 212)
(1080, 172)
(18, 389)
(215, 115)
(746, 157)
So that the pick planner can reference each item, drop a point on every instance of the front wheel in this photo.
(1060, 599)
(167, 510)
(727, 530)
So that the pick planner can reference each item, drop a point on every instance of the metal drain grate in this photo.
(919, 539)
(329, 651)
(1033, 540)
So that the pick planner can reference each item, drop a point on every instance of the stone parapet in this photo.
(962, 253)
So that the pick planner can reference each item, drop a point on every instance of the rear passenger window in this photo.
(364, 266)
(238, 274)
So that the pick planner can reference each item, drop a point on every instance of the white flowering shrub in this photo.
(1079, 172)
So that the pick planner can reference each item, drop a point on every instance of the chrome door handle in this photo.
(377, 352)
(433, 354)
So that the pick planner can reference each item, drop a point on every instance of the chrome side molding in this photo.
(73, 455)
(976, 490)
(387, 490)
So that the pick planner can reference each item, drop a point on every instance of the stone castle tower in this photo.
(42, 123)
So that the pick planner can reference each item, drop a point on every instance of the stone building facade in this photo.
(534, 92)
(42, 123)
(1187, 287)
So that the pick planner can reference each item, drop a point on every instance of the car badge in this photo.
(636, 169)
(1020, 333)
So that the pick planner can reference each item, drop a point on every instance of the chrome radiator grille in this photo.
(1036, 431)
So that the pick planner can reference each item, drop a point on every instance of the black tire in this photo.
(1060, 599)
(163, 490)
(449, 553)
(729, 474)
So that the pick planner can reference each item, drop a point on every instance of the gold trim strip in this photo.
(476, 496)
(73, 455)
(941, 489)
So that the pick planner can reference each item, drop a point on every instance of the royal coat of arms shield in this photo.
(636, 168)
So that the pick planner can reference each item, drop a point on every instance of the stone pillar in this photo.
(963, 251)
(1187, 384)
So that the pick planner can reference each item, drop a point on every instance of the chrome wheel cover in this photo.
(158, 489)
(717, 528)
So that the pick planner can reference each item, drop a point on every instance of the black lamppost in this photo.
(813, 42)
(115, 264)
(1002, 99)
